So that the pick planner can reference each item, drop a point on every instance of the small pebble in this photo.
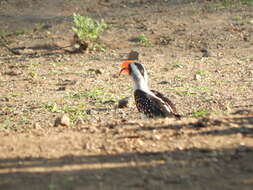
(123, 102)
(62, 121)
(197, 77)
(133, 55)
(205, 52)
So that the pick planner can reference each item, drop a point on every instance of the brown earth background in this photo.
(199, 54)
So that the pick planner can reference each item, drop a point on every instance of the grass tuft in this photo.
(87, 29)
(228, 3)
(202, 72)
(143, 40)
(96, 95)
(177, 64)
(74, 112)
(200, 113)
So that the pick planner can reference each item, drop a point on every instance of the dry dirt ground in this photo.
(199, 53)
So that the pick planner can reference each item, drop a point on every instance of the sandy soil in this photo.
(200, 55)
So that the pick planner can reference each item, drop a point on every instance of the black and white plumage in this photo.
(151, 103)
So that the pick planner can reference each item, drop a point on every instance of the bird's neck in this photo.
(141, 84)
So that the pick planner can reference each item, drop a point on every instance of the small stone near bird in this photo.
(62, 88)
(197, 77)
(123, 102)
(133, 55)
(205, 52)
(62, 121)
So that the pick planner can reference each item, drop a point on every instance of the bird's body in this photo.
(151, 103)
(154, 104)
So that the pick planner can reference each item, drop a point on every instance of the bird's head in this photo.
(136, 71)
(133, 68)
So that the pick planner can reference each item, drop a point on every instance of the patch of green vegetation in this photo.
(236, 18)
(93, 94)
(239, 62)
(17, 94)
(202, 72)
(97, 95)
(11, 123)
(33, 64)
(224, 3)
(199, 113)
(52, 108)
(176, 64)
(32, 74)
(143, 40)
(68, 180)
(179, 76)
(212, 6)
(98, 47)
(52, 186)
(3, 33)
(228, 3)
(87, 29)
(73, 111)
(241, 87)
(57, 63)
(189, 90)
(250, 2)
(195, 11)
(5, 124)
(19, 32)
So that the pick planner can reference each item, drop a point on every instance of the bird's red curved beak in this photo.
(124, 67)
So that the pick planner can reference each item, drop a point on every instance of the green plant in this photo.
(97, 47)
(74, 112)
(19, 32)
(33, 64)
(95, 94)
(176, 64)
(237, 18)
(52, 107)
(200, 113)
(32, 74)
(227, 3)
(240, 62)
(212, 6)
(142, 39)
(17, 94)
(86, 28)
(15, 122)
(202, 72)
(247, 2)
(224, 3)
(188, 90)
(3, 33)
(179, 76)
(52, 186)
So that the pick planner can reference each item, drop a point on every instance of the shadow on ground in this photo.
(180, 169)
